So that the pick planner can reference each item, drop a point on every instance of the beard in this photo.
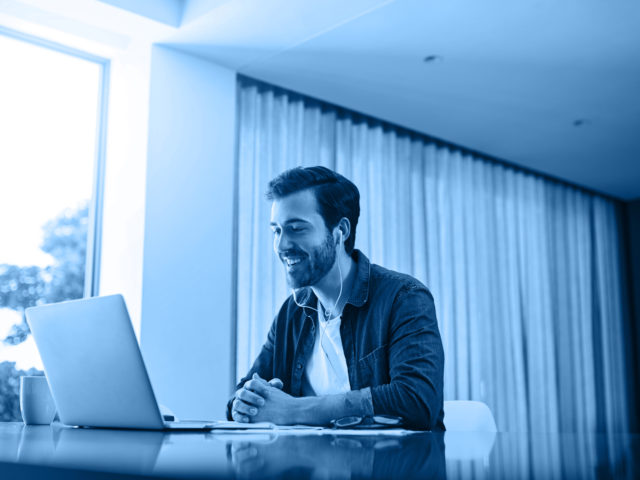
(315, 264)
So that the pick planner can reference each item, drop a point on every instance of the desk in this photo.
(61, 452)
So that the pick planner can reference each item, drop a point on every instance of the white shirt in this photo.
(326, 372)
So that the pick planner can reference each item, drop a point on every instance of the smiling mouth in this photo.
(291, 262)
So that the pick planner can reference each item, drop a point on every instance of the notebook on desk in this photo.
(95, 369)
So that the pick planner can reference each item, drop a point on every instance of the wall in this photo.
(125, 176)
(186, 330)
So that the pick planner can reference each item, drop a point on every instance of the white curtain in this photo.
(525, 271)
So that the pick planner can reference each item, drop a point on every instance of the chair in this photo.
(468, 416)
(471, 431)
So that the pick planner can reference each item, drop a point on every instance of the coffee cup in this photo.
(36, 403)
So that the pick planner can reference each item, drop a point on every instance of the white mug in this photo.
(36, 403)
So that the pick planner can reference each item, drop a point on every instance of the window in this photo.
(51, 149)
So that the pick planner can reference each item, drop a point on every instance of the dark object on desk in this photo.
(369, 421)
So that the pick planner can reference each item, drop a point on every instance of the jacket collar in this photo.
(360, 290)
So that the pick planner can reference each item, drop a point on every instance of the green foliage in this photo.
(20, 287)
(65, 239)
(10, 391)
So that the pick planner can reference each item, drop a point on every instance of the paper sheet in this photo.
(224, 425)
(310, 430)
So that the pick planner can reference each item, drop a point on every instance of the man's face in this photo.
(301, 240)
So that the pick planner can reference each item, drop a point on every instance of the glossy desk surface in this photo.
(61, 452)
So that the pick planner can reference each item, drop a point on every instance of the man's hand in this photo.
(247, 401)
(278, 407)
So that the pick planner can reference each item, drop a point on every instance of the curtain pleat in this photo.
(525, 271)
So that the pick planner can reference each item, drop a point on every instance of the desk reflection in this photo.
(225, 455)
(131, 452)
(311, 456)
(339, 457)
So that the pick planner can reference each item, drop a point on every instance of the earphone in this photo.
(328, 313)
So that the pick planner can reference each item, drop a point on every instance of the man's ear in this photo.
(344, 230)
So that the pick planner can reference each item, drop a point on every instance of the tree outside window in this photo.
(21, 287)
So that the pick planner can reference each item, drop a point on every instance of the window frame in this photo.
(96, 204)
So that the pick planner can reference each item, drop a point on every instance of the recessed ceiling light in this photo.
(432, 59)
(581, 122)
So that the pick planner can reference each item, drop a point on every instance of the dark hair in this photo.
(337, 196)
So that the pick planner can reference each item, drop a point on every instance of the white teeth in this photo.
(293, 261)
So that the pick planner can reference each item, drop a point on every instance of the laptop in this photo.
(95, 369)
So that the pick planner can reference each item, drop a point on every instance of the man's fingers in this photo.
(274, 382)
(239, 417)
(258, 386)
(247, 396)
(277, 383)
(244, 408)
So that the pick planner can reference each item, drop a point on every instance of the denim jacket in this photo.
(391, 344)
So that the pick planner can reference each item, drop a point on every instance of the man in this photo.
(353, 339)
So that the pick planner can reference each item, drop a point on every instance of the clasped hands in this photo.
(262, 401)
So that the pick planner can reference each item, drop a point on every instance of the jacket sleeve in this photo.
(263, 365)
(416, 361)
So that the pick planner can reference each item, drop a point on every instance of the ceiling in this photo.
(551, 86)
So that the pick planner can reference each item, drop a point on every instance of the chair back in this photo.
(468, 416)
